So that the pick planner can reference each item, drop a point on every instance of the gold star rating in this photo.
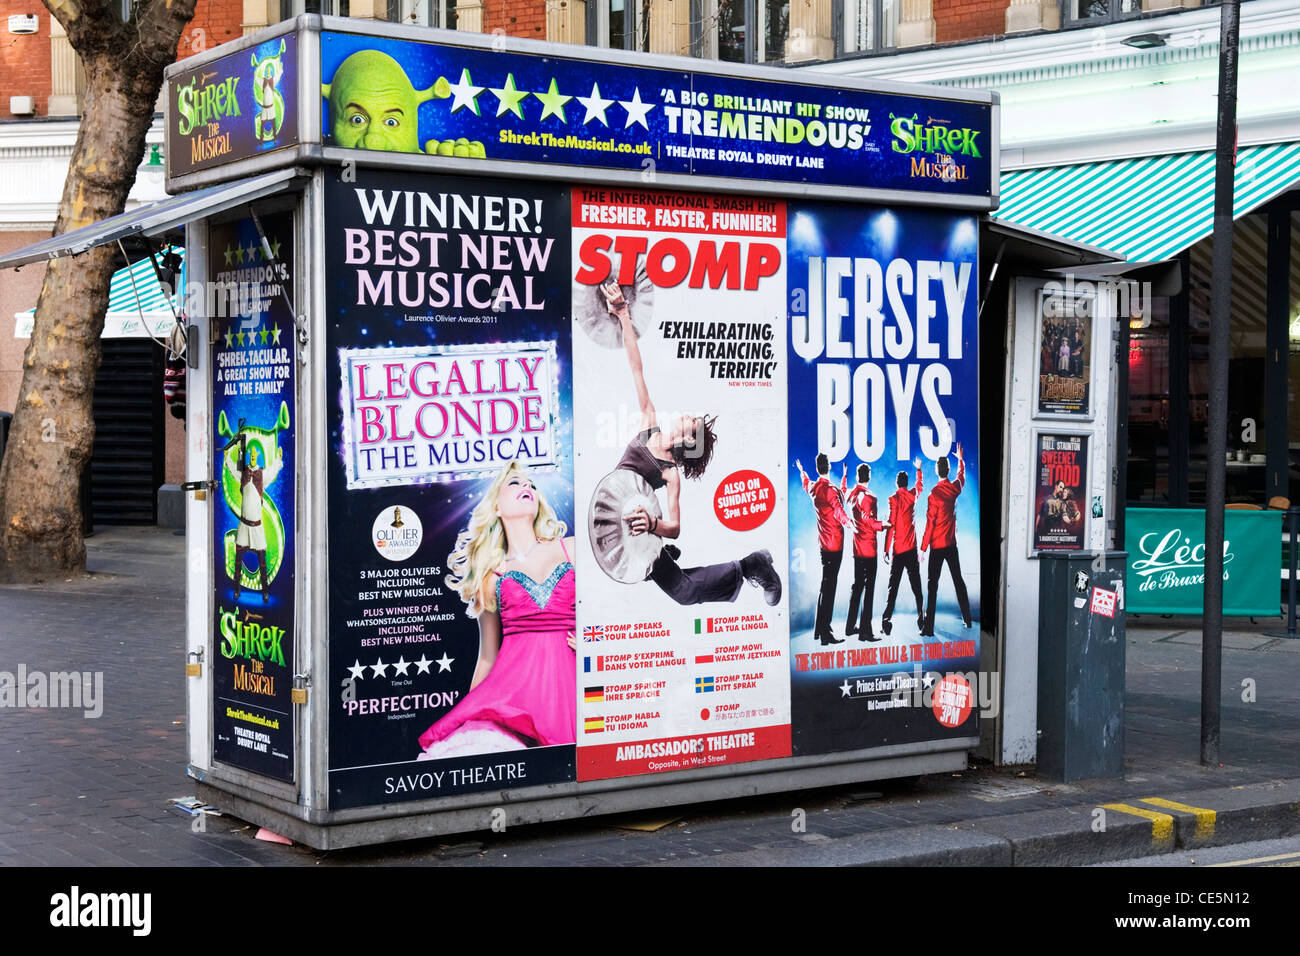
(553, 102)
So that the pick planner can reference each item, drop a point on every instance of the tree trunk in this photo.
(53, 427)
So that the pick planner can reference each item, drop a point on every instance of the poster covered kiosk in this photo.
(570, 431)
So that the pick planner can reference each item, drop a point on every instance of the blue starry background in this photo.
(443, 507)
(876, 165)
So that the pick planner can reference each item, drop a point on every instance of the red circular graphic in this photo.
(704, 714)
(952, 700)
(744, 500)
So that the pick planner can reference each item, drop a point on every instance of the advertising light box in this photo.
(452, 101)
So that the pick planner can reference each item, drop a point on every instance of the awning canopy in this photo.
(153, 219)
(1146, 209)
(151, 316)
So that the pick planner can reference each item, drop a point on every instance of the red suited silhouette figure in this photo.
(828, 502)
(900, 544)
(940, 539)
(866, 526)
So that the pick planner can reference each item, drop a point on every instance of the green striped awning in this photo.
(126, 318)
(1148, 209)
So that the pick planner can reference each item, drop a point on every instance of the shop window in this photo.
(1293, 363)
(1248, 419)
(1150, 414)
(869, 25)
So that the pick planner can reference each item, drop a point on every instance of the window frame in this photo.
(1114, 13)
(845, 44)
(598, 25)
(705, 44)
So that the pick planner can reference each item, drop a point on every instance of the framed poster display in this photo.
(1064, 353)
(1059, 521)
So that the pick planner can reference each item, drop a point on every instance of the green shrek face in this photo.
(374, 106)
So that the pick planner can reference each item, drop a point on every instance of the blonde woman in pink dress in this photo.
(513, 569)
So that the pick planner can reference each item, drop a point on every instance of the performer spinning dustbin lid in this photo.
(660, 457)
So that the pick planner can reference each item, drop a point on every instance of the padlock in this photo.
(194, 663)
(298, 695)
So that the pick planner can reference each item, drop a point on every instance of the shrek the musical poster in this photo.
(452, 661)
(254, 450)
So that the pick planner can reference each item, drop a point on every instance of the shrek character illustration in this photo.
(251, 462)
(372, 105)
(266, 92)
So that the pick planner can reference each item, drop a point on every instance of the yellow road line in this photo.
(1162, 824)
(1204, 818)
(1259, 860)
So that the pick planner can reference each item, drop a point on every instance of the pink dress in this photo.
(529, 698)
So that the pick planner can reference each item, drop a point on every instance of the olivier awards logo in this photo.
(396, 533)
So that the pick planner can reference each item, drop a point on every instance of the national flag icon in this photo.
(704, 685)
(593, 632)
(593, 663)
(593, 695)
(704, 625)
(704, 658)
(593, 725)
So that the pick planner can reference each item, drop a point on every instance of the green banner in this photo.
(1166, 561)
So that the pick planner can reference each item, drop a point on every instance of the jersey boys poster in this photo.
(679, 423)
(883, 474)
(452, 668)
(254, 451)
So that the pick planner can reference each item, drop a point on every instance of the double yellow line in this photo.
(1162, 824)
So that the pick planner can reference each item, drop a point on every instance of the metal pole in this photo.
(1217, 413)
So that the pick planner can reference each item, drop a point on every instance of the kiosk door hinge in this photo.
(194, 663)
(200, 488)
